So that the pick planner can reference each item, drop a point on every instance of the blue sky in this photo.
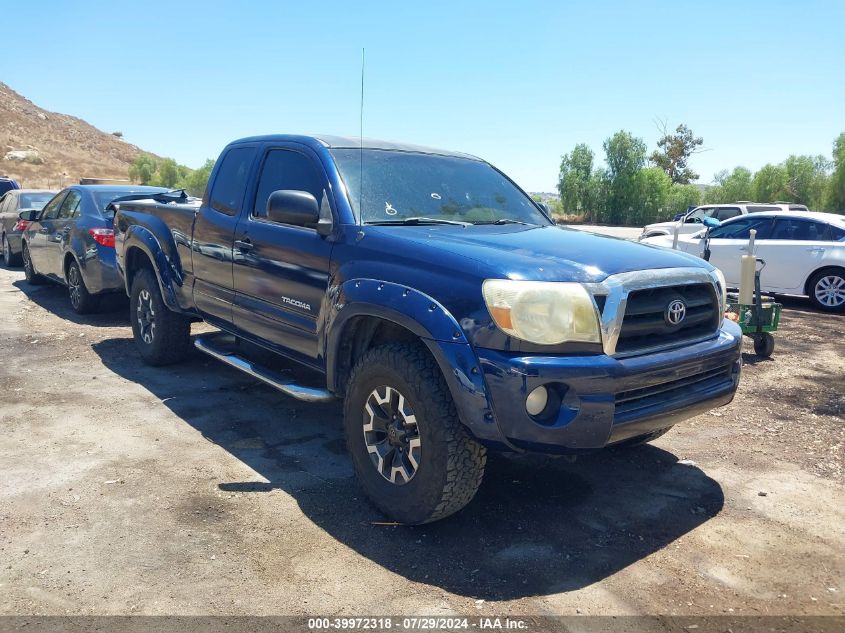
(518, 83)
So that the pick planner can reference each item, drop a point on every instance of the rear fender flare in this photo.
(168, 274)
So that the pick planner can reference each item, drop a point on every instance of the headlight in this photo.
(546, 313)
(720, 278)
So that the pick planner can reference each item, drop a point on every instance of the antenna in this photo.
(361, 148)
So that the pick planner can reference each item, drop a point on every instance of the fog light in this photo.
(536, 401)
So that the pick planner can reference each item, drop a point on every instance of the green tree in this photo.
(194, 182)
(143, 169)
(167, 174)
(731, 186)
(834, 199)
(770, 184)
(806, 179)
(625, 157)
(576, 171)
(681, 197)
(673, 153)
(653, 186)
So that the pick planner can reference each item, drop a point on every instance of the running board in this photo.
(205, 343)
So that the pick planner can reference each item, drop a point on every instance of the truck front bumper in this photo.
(595, 401)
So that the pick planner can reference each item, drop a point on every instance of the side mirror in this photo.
(30, 215)
(711, 223)
(298, 208)
(692, 220)
(544, 207)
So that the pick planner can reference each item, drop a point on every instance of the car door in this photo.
(729, 242)
(795, 248)
(214, 228)
(59, 234)
(282, 271)
(40, 231)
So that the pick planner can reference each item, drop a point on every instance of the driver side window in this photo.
(70, 207)
(287, 169)
(51, 211)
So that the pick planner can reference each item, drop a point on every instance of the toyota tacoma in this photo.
(436, 299)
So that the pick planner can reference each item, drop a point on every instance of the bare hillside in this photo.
(41, 148)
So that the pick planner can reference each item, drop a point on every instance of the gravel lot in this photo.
(195, 490)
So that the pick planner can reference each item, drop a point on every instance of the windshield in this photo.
(35, 200)
(403, 185)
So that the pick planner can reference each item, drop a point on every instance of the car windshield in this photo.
(411, 187)
(35, 200)
(104, 196)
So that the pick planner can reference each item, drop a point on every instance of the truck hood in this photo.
(539, 253)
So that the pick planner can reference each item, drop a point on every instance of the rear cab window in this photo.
(229, 185)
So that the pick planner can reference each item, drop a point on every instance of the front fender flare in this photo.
(437, 329)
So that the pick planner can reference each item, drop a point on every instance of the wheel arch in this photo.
(369, 312)
(821, 269)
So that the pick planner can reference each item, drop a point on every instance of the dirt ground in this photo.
(193, 489)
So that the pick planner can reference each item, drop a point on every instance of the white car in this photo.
(804, 253)
(691, 222)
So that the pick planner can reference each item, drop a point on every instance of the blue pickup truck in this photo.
(436, 298)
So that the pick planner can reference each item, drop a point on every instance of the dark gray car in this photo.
(11, 226)
(71, 242)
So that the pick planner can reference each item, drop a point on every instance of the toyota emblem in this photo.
(675, 312)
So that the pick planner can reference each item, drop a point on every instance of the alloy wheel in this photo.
(830, 291)
(391, 435)
(74, 283)
(146, 316)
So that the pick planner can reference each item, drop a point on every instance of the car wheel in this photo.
(32, 277)
(9, 258)
(81, 300)
(415, 460)
(163, 337)
(827, 290)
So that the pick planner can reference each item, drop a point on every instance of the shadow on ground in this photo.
(113, 310)
(538, 525)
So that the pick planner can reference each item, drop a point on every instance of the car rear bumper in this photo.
(14, 242)
(600, 400)
(99, 271)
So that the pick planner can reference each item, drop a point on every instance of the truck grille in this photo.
(629, 403)
(645, 323)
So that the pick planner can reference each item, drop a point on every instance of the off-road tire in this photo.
(835, 273)
(32, 277)
(451, 463)
(645, 438)
(82, 301)
(169, 339)
(9, 258)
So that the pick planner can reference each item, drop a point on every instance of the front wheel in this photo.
(81, 300)
(32, 277)
(162, 337)
(415, 460)
(827, 290)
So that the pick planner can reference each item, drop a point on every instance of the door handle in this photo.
(244, 245)
(44, 230)
(743, 248)
(818, 249)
